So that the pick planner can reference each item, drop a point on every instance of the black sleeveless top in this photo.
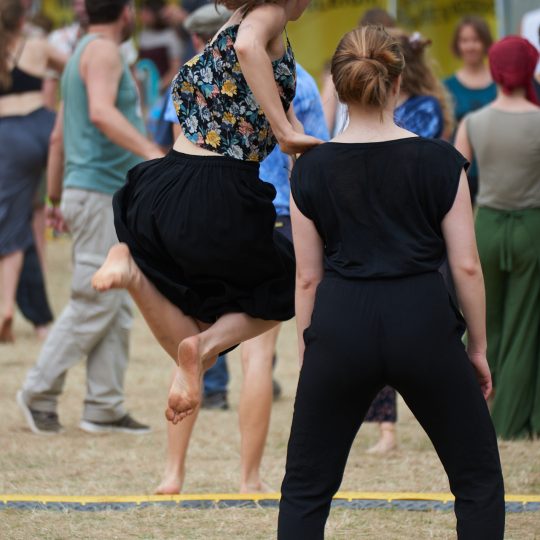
(21, 81)
(379, 206)
(215, 106)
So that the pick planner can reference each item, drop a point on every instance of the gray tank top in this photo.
(507, 148)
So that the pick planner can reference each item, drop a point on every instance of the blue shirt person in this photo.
(421, 115)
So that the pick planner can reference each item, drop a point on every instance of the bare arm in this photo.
(462, 142)
(55, 163)
(257, 31)
(293, 120)
(55, 173)
(308, 247)
(458, 231)
(102, 73)
(55, 59)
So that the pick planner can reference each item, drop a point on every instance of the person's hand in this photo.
(55, 219)
(480, 364)
(294, 143)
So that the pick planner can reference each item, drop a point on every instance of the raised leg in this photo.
(11, 266)
(255, 407)
(198, 352)
(166, 321)
(177, 333)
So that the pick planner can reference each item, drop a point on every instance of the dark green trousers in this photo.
(509, 247)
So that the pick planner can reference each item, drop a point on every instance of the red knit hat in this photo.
(512, 61)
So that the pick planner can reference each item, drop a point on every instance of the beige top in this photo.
(507, 149)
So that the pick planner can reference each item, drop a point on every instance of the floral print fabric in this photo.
(216, 107)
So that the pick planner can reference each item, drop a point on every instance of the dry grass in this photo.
(79, 464)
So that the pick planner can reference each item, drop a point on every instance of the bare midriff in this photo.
(185, 146)
(20, 104)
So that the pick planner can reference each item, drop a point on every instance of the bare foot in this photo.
(383, 446)
(118, 270)
(170, 485)
(6, 330)
(185, 392)
(259, 487)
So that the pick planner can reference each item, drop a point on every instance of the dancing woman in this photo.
(198, 251)
(374, 214)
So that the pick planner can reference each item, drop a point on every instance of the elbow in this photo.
(56, 139)
(245, 46)
(306, 281)
(98, 117)
(468, 267)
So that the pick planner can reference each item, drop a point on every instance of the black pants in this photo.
(404, 333)
(31, 293)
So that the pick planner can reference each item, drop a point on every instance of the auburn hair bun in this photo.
(366, 63)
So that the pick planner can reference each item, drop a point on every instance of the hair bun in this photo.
(366, 63)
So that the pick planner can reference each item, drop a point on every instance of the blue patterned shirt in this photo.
(421, 115)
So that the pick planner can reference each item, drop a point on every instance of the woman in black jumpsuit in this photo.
(375, 212)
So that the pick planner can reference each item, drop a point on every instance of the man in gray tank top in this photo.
(98, 137)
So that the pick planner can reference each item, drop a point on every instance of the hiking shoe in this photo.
(126, 424)
(39, 422)
(215, 400)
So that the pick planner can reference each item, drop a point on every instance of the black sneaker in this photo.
(40, 422)
(216, 400)
(126, 424)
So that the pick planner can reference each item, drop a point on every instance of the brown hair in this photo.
(419, 78)
(480, 27)
(377, 16)
(366, 63)
(248, 5)
(11, 13)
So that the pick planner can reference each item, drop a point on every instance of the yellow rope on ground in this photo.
(215, 497)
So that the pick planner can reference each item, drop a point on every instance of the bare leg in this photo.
(387, 441)
(255, 407)
(178, 437)
(196, 353)
(168, 324)
(11, 266)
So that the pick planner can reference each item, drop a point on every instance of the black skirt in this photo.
(202, 230)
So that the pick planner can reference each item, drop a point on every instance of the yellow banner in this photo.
(436, 20)
(315, 36)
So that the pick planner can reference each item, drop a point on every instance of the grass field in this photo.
(75, 463)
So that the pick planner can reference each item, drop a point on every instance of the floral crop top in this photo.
(215, 106)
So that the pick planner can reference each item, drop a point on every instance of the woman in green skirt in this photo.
(505, 139)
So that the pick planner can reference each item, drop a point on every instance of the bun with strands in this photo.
(366, 63)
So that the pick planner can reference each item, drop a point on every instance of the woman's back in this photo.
(379, 206)
(507, 147)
